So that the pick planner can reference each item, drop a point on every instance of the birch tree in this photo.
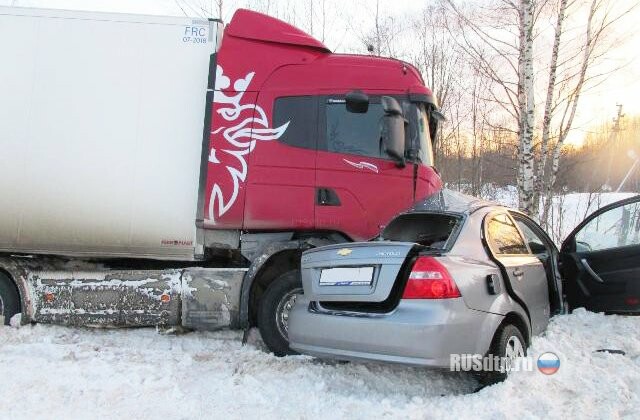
(502, 48)
(548, 106)
(563, 96)
(510, 63)
(526, 108)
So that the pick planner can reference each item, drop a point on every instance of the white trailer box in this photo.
(101, 132)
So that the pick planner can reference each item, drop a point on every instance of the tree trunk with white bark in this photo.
(526, 104)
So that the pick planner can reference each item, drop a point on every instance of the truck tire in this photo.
(9, 299)
(273, 312)
(508, 342)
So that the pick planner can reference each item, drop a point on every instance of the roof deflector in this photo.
(253, 25)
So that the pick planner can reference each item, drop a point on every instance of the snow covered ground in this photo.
(58, 372)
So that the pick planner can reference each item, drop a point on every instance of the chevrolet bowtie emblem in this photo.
(344, 252)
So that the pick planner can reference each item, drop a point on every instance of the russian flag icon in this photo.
(548, 363)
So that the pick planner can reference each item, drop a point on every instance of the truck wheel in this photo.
(508, 343)
(9, 299)
(273, 313)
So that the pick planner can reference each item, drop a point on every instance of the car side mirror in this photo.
(357, 102)
(537, 248)
(393, 130)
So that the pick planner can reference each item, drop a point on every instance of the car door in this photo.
(525, 275)
(545, 250)
(600, 260)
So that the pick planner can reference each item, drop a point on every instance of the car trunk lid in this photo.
(357, 272)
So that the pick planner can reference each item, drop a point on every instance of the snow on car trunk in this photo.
(56, 372)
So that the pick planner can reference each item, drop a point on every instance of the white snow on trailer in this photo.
(101, 127)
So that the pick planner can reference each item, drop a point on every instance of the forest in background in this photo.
(599, 164)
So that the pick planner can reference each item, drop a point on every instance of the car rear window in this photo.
(432, 230)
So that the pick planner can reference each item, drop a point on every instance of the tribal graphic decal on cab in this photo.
(247, 123)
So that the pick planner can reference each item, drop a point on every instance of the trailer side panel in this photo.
(101, 132)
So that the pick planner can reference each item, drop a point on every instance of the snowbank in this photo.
(57, 372)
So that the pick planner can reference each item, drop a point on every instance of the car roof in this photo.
(449, 201)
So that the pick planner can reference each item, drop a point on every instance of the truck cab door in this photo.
(281, 182)
(526, 277)
(358, 187)
(600, 260)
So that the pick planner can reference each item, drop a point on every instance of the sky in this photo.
(598, 104)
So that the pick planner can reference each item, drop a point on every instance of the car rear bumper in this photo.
(417, 332)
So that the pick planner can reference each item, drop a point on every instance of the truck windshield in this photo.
(419, 133)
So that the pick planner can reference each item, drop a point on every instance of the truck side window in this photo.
(357, 134)
(302, 115)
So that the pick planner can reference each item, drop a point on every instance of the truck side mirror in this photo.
(439, 116)
(393, 130)
(357, 102)
(436, 118)
(391, 106)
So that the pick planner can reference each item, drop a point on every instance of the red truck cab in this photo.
(286, 152)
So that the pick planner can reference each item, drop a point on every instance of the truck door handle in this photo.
(327, 197)
(518, 273)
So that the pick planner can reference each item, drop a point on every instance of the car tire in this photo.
(273, 312)
(9, 299)
(508, 342)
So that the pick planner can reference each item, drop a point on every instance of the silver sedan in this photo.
(455, 275)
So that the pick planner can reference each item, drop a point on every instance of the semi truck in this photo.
(170, 171)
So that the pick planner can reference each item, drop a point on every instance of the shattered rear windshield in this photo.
(432, 230)
(447, 200)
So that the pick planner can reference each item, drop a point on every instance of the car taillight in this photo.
(429, 279)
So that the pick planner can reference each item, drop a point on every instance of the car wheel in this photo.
(273, 313)
(508, 343)
(9, 299)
